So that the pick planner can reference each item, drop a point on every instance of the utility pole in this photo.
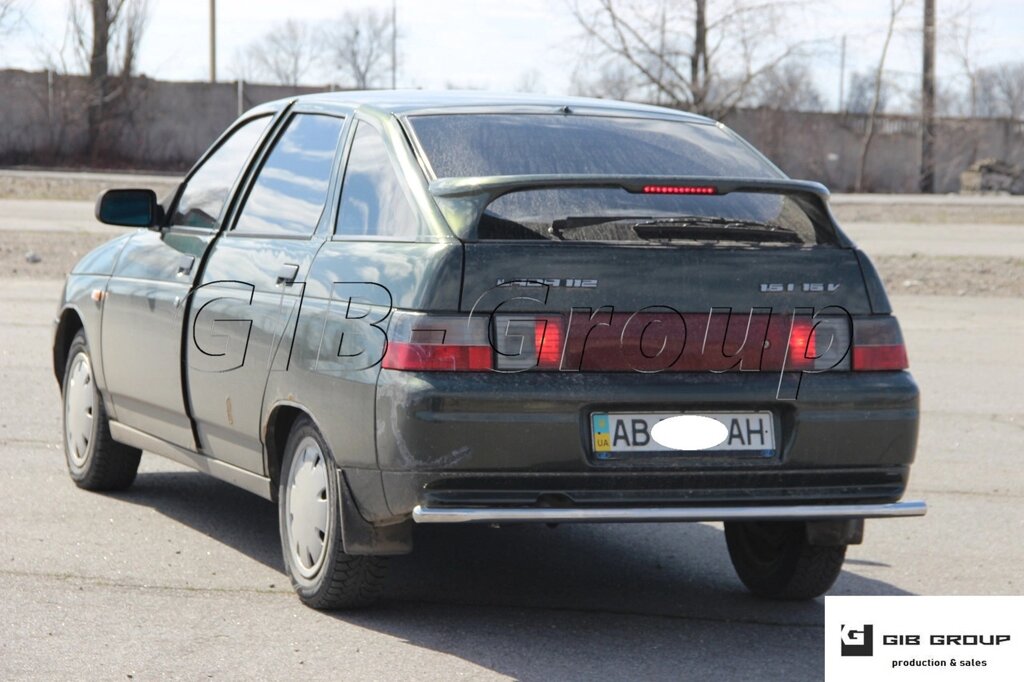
(213, 41)
(927, 177)
(842, 71)
(661, 56)
(699, 59)
(394, 42)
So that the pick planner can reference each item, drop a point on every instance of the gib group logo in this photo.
(858, 641)
(923, 638)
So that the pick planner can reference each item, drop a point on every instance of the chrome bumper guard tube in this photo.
(655, 514)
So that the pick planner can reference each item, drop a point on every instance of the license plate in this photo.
(750, 433)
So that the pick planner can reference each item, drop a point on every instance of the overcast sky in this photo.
(495, 44)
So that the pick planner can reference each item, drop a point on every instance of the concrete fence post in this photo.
(49, 96)
(241, 96)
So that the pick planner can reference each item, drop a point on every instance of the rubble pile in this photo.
(992, 175)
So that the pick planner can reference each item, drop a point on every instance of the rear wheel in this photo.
(309, 511)
(95, 460)
(775, 560)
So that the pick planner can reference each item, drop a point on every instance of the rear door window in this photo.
(375, 201)
(291, 188)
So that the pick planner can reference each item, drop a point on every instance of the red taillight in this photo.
(801, 345)
(523, 341)
(719, 341)
(438, 343)
(513, 342)
(878, 344)
(462, 343)
(437, 358)
(880, 358)
(679, 189)
(547, 340)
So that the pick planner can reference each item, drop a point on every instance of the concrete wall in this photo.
(43, 122)
(163, 125)
(826, 147)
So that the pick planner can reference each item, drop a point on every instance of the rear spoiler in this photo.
(463, 200)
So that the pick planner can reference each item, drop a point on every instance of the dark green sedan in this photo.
(388, 308)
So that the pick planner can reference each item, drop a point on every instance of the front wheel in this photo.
(775, 560)
(309, 512)
(95, 460)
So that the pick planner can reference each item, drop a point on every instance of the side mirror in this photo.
(128, 207)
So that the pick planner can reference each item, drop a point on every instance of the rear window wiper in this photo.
(579, 222)
(669, 228)
(714, 228)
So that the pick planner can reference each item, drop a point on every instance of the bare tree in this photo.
(861, 93)
(896, 7)
(105, 34)
(700, 55)
(284, 55)
(529, 81)
(358, 46)
(1001, 91)
(105, 37)
(616, 81)
(959, 40)
(790, 87)
(10, 16)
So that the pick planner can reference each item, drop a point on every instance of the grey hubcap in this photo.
(79, 409)
(307, 507)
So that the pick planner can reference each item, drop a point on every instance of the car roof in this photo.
(410, 102)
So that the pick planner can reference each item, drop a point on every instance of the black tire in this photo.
(334, 579)
(95, 460)
(774, 560)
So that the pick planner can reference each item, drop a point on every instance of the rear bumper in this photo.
(489, 440)
(422, 514)
(539, 421)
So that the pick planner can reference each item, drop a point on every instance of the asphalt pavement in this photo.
(36, 215)
(181, 575)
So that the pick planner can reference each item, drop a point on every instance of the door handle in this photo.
(287, 274)
(185, 265)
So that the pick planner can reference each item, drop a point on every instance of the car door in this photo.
(246, 305)
(146, 298)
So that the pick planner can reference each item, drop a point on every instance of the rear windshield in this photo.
(464, 145)
(467, 145)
